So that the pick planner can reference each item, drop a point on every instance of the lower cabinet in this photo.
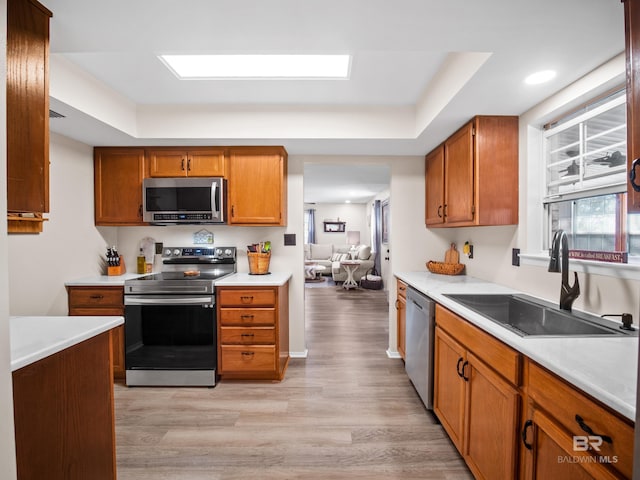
(102, 301)
(565, 434)
(477, 407)
(401, 316)
(253, 332)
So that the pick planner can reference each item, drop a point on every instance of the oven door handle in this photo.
(174, 300)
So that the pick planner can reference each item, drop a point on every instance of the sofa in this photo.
(330, 256)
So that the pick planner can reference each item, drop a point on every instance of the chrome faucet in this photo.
(567, 293)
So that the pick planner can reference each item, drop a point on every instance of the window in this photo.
(585, 171)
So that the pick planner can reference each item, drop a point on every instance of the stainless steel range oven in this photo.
(170, 318)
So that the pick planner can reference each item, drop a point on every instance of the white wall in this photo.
(353, 214)
(7, 444)
(69, 247)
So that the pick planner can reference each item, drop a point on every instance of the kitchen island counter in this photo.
(34, 338)
(103, 280)
(605, 368)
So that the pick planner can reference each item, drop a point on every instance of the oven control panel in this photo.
(216, 253)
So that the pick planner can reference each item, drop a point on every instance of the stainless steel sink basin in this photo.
(528, 316)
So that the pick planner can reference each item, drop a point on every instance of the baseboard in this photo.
(393, 354)
(303, 354)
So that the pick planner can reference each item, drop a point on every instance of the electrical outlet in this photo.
(289, 238)
(515, 257)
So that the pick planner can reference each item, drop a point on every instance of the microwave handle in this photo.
(214, 198)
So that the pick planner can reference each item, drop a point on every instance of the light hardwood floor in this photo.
(345, 412)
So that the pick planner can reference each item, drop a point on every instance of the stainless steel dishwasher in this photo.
(420, 330)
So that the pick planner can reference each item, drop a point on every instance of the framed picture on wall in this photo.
(385, 221)
(331, 227)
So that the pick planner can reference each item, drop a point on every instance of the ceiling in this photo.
(420, 68)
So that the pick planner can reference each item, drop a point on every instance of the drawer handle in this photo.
(397, 304)
(463, 375)
(245, 317)
(527, 424)
(246, 334)
(458, 371)
(248, 354)
(96, 297)
(589, 430)
(247, 298)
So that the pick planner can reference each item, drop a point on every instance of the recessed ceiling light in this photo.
(347, 201)
(540, 77)
(258, 66)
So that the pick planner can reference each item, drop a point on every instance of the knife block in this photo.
(118, 269)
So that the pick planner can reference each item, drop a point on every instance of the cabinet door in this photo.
(401, 307)
(491, 422)
(27, 106)
(118, 174)
(632, 30)
(550, 454)
(459, 179)
(449, 387)
(167, 163)
(257, 187)
(206, 163)
(434, 187)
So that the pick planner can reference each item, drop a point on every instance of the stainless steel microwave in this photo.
(184, 200)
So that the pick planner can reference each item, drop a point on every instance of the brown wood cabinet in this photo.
(257, 186)
(476, 395)
(173, 162)
(64, 415)
(118, 174)
(557, 414)
(472, 178)
(401, 317)
(632, 35)
(28, 111)
(253, 332)
(102, 301)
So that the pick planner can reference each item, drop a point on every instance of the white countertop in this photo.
(34, 338)
(103, 280)
(605, 368)
(274, 279)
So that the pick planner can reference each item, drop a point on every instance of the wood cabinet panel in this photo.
(247, 297)
(461, 175)
(257, 186)
(102, 301)
(491, 423)
(253, 332)
(180, 162)
(118, 175)
(64, 417)
(251, 317)
(434, 187)
(401, 318)
(28, 109)
(632, 44)
(564, 404)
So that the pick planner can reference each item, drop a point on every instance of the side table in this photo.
(350, 266)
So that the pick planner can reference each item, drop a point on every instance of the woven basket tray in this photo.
(445, 268)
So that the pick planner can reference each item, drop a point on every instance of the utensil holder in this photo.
(259, 263)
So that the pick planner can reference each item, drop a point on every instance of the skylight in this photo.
(258, 66)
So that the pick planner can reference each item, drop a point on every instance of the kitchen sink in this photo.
(528, 316)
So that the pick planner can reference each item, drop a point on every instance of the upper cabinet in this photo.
(172, 162)
(118, 174)
(257, 183)
(632, 31)
(28, 111)
(472, 178)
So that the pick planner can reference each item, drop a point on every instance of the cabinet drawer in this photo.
(256, 358)
(247, 316)
(402, 289)
(493, 352)
(248, 336)
(96, 311)
(246, 297)
(96, 297)
(563, 402)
